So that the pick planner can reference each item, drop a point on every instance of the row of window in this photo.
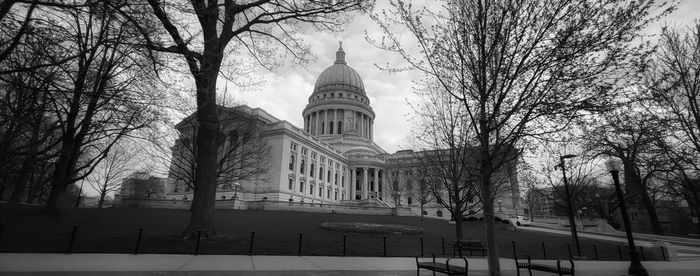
(312, 190)
(332, 95)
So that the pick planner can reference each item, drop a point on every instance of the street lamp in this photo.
(636, 268)
(235, 193)
(572, 222)
(499, 206)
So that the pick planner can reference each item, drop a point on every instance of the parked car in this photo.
(520, 220)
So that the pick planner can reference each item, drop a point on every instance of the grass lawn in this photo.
(276, 233)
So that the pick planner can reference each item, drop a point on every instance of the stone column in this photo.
(371, 129)
(325, 122)
(376, 181)
(335, 122)
(352, 185)
(316, 126)
(365, 184)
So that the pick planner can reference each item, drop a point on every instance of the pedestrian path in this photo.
(159, 264)
(690, 247)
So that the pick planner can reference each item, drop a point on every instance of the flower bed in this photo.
(364, 227)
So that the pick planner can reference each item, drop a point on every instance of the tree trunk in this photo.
(201, 217)
(60, 178)
(103, 193)
(487, 198)
(635, 180)
(26, 169)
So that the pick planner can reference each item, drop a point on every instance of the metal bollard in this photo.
(595, 251)
(421, 246)
(344, 238)
(138, 241)
(544, 251)
(72, 240)
(252, 241)
(619, 251)
(199, 236)
(384, 243)
(442, 242)
(301, 235)
(663, 253)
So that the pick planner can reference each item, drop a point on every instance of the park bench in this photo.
(460, 246)
(445, 268)
(530, 266)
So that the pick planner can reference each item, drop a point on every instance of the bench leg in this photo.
(529, 271)
(517, 269)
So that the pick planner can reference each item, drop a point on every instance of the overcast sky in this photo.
(285, 91)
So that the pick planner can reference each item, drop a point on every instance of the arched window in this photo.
(320, 173)
(336, 179)
(303, 164)
(311, 170)
(329, 176)
(291, 162)
(330, 127)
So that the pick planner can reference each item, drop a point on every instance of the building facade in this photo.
(332, 159)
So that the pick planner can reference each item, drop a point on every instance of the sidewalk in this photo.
(124, 264)
(681, 244)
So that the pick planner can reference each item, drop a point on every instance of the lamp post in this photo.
(499, 206)
(570, 208)
(235, 193)
(613, 165)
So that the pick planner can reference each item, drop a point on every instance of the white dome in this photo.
(339, 76)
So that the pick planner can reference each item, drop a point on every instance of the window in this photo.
(410, 200)
(439, 213)
(320, 173)
(301, 186)
(313, 155)
(291, 184)
(291, 162)
(293, 146)
(342, 181)
(301, 168)
(336, 179)
(322, 127)
(332, 95)
(223, 197)
(330, 127)
(328, 194)
(311, 189)
(340, 95)
(329, 176)
(324, 96)
(304, 151)
(320, 191)
(311, 170)
(340, 127)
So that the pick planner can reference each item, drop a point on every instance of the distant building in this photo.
(142, 185)
(332, 159)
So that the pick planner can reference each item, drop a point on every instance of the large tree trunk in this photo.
(487, 199)
(26, 169)
(60, 178)
(201, 216)
(103, 193)
(633, 179)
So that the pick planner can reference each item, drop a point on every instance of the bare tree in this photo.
(243, 153)
(515, 65)
(252, 28)
(446, 148)
(108, 174)
(102, 95)
(396, 187)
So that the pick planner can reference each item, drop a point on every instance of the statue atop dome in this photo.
(340, 54)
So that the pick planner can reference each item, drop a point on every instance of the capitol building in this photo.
(332, 159)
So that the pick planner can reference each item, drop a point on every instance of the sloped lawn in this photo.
(276, 233)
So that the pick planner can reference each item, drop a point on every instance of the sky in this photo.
(285, 91)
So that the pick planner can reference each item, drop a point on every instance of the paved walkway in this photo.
(155, 264)
(684, 245)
